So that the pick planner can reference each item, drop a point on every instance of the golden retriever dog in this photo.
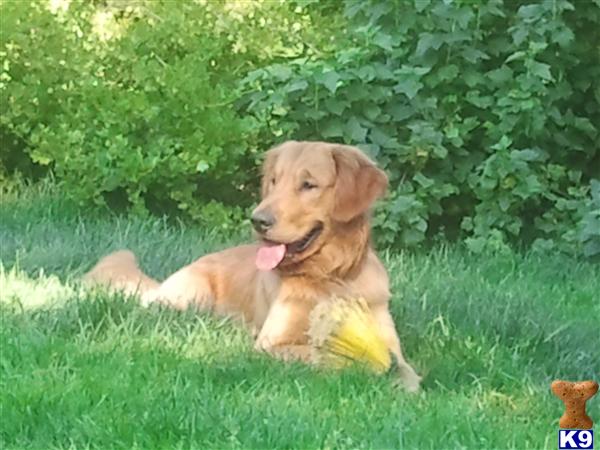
(314, 243)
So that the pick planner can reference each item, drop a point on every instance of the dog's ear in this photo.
(268, 169)
(358, 183)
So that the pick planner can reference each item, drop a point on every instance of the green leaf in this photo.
(400, 112)
(423, 181)
(403, 204)
(504, 143)
(329, 80)
(473, 55)
(467, 224)
(383, 40)
(371, 112)
(563, 37)
(488, 183)
(355, 131)
(332, 128)
(409, 86)
(440, 151)
(280, 72)
(540, 70)
(447, 10)
(40, 158)
(520, 54)
(527, 154)
(584, 124)
(420, 224)
(472, 77)
(379, 137)
(383, 71)
(336, 105)
(372, 150)
(478, 100)
(531, 12)
(421, 5)
(427, 41)
(366, 73)
(412, 237)
(298, 85)
(447, 73)
(501, 75)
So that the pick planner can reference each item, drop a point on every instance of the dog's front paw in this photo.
(263, 344)
(284, 352)
(410, 384)
(408, 379)
(148, 298)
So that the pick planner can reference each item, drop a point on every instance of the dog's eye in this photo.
(307, 186)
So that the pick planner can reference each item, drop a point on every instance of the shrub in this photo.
(130, 103)
(484, 114)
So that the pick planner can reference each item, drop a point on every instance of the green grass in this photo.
(87, 370)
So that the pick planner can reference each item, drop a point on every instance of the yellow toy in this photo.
(343, 331)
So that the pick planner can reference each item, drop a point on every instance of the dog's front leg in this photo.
(408, 377)
(283, 333)
(187, 287)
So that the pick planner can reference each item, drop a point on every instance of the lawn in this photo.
(88, 370)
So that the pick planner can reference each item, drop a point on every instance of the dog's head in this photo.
(309, 189)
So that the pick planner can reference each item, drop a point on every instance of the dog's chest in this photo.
(267, 289)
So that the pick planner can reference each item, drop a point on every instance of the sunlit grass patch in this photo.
(42, 290)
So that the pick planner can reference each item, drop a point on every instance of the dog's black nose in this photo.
(262, 220)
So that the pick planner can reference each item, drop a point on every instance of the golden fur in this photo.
(306, 186)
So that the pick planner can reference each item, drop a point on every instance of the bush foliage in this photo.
(131, 105)
(484, 114)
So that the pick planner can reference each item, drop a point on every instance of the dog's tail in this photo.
(119, 271)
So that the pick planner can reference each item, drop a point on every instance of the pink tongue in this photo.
(269, 256)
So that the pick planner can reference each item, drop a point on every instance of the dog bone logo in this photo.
(574, 395)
